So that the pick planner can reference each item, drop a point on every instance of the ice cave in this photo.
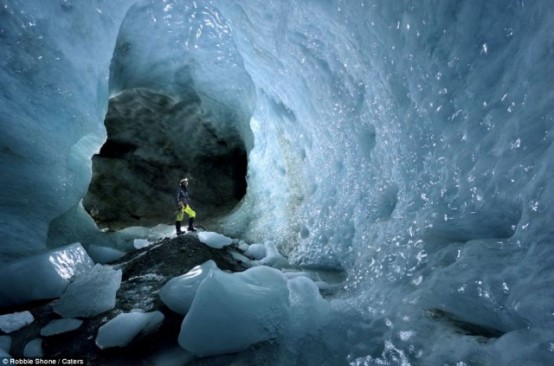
(405, 144)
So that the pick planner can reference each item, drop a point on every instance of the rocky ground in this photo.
(145, 271)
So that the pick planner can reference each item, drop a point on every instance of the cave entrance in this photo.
(154, 140)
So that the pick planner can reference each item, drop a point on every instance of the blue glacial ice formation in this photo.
(407, 143)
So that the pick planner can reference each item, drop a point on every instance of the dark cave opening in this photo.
(154, 140)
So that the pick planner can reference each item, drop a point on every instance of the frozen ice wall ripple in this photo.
(401, 144)
(53, 102)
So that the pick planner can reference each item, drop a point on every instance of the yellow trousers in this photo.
(189, 211)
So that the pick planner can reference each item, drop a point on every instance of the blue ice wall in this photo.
(409, 143)
(55, 59)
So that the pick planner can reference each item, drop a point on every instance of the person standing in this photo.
(183, 206)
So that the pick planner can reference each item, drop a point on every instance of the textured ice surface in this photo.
(124, 328)
(178, 293)
(42, 276)
(59, 326)
(15, 321)
(69, 111)
(233, 311)
(90, 294)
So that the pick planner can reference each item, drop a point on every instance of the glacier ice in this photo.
(103, 255)
(408, 144)
(231, 312)
(173, 357)
(126, 327)
(273, 258)
(40, 65)
(256, 251)
(33, 348)
(5, 346)
(141, 243)
(15, 321)
(58, 326)
(42, 276)
(214, 240)
(90, 293)
(178, 293)
(308, 308)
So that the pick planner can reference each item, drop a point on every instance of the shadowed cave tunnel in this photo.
(153, 140)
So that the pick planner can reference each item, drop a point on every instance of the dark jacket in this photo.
(182, 196)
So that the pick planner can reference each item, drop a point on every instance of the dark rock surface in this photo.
(154, 140)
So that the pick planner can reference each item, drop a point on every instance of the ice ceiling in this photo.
(409, 143)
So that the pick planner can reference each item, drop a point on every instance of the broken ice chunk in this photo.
(122, 329)
(59, 326)
(90, 294)
(42, 276)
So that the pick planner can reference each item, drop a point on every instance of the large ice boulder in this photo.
(231, 312)
(178, 293)
(42, 276)
(124, 328)
(90, 294)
